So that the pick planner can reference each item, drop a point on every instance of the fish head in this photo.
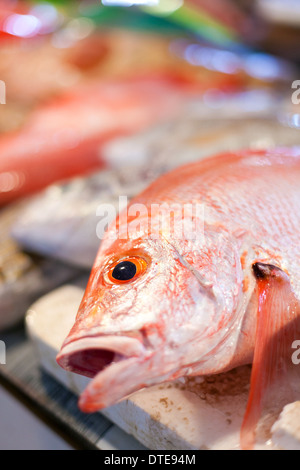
(155, 309)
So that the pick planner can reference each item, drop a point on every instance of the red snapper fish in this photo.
(63, 138)
(164, 303)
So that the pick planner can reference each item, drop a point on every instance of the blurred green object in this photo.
(131, 18)
(114, 16)
(195, 20)
(185, 19)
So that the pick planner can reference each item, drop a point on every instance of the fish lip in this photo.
(123, 347)
(109, 386)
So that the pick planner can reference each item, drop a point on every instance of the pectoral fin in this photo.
(278, 327)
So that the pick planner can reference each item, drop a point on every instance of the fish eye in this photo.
(126, 270)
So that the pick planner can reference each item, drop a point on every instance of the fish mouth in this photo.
(90, 355)
(118, 366)
(110, 361)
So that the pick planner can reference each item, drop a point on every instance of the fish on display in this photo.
(61, 222)
(208, 286)
(66, 135)
(24, 277)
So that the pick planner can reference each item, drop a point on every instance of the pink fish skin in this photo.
(63, 138)
(190, 306)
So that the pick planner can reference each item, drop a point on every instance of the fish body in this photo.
(163, 303)
(66, 135)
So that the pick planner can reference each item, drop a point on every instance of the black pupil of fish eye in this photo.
(124, 271)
